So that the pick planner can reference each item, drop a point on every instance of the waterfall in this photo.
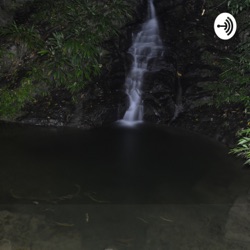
(146, 46)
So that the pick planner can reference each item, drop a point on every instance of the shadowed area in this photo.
(141, 187)
(141, 164)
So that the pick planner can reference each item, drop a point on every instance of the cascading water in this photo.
(146, 46)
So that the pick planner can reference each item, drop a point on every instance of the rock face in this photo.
(107, 102)
(172, 94)
(192, 63)
(177, 84)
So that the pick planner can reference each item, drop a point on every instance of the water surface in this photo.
(141, 164)
(143, 187)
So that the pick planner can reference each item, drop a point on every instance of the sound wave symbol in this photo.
(228, 26)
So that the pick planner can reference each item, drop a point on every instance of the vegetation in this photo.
(243, 147)
(238, 6)
(59, 45)
(240, 79)
(12, 101)
(233, 85)
(234, 80)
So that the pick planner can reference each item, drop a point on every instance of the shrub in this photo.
(13, 100)
(243, 147)
(59, 45)
(236, 6)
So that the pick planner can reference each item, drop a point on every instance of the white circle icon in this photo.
(225, 26)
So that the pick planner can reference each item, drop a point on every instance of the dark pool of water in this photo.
(117, 188)
(116, 165)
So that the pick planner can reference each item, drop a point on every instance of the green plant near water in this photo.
(243, 147)
(59, 46)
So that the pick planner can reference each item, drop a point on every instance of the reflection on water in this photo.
(144, 187)
(143, 164)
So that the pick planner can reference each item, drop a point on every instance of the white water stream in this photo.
(146, 46)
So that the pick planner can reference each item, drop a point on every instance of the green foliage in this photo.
(20, 34)
(243, 146)
(233, 84)
(234, 81)
(237, 6)
(13, 100)
(69, 62)
(71, 51)
(60, 46)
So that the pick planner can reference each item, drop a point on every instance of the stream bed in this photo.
(142, 187)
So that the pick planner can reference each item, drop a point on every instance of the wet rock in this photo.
(52, 110)
(161, 4)
(220, 124)
(202, 73)
(43, 122)
(200, 102)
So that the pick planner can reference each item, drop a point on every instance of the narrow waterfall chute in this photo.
(146, 45)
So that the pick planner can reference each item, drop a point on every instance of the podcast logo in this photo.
(225, 26)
